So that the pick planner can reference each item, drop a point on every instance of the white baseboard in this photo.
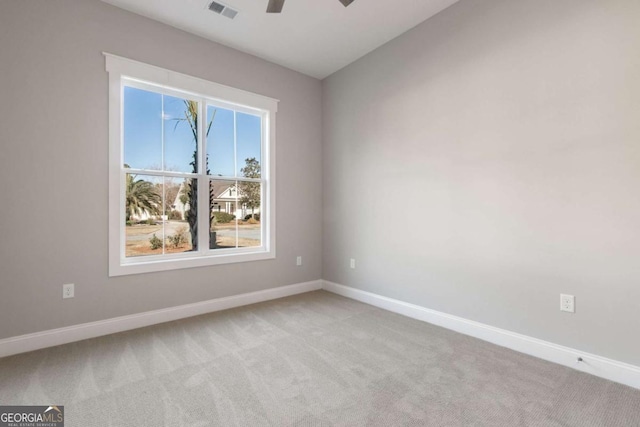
(596, 365)
(53, 337)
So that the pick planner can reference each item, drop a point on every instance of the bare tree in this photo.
(250, 191)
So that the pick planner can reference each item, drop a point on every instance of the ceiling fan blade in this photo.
(275, 6)
(346, 2)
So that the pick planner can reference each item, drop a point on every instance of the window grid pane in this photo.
(144, 233)
(223, 226)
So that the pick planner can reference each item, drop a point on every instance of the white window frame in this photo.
(126, 71)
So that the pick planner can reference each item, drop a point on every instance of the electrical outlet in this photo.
(299, 261)
(352, 263)
(68, 290)
(567, 303)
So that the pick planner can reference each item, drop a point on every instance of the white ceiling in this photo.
(315, 37)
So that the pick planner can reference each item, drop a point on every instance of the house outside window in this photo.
(191, 179)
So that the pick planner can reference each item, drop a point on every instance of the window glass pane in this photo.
(182, 224)
(180, 134)
(250, 228)
(144, 229)
(223, 229)
(142, 129)
(220, 141)
(173, 199)
(248, 144)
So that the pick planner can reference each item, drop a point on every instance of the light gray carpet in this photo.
(313, 359)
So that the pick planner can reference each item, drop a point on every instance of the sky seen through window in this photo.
(155, 132)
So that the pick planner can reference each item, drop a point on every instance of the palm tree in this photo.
(190, 190)
(141, 197)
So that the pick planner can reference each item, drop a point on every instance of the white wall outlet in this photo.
(567, 303)
(68, 290)
(299, 261)
(352, 264)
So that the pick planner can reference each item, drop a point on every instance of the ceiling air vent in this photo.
(222, 9)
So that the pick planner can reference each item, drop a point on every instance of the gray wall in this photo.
(53, 167)
(502, 139)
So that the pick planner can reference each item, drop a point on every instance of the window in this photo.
(191, 179)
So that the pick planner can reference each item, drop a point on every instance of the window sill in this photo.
(138, 266)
